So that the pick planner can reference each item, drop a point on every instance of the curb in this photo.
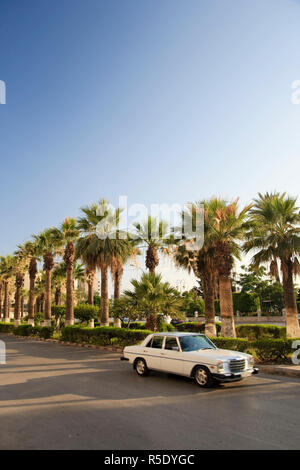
(277, 370)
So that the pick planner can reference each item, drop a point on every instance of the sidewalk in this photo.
(285, 370)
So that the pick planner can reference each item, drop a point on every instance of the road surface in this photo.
(54, 396)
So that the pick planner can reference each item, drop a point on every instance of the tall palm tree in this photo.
(66, 237)
(29, 252)
(153, 234)
(227, 229)
(103, 242)
(48, 244)
(7, 273)
(19, 268)
(116, 268)
(275, 234)
(83, 252)
(200, 259)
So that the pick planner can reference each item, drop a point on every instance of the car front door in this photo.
(171, 356)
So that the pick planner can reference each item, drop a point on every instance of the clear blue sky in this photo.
(159, 100)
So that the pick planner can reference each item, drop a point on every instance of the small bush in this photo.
(86, 312)
(6, 327)
(103, 336)
(257, 332)
(196, 327)
(44, 332)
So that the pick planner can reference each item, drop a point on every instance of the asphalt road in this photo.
(54, 396)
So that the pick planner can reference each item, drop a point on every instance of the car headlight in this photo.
(220, 366)
(251, 361)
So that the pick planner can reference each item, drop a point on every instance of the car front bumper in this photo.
(235, 377)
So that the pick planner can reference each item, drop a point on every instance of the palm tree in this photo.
(19, 268)
(200, 260)
(29, 251)
(153, 233)
(48, 244)
(150, 296)
(83, 252)
(116, 268)
(58, 278)
(227, 229)
(66, 237)
(103, 242)
(6, 272)
(275, 234)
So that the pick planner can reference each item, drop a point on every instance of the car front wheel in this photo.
(203, 377)
(141, 367)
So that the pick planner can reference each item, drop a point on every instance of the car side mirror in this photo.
(175, 348)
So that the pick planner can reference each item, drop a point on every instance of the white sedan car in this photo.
(190, 354)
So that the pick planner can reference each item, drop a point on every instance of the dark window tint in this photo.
(157, 342)
(171, 343)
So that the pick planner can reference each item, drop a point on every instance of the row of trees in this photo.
(268, 228)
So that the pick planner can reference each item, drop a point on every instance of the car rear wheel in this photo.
(203, 377)
(141, 367)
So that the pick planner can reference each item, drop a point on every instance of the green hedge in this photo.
(257, 332)
(103, 336)
(196, 327)
(45, 332)
(6, 327)
(266, 350)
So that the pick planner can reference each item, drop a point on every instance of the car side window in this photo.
(157, 342)
(171, 343)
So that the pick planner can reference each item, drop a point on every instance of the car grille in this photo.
(237, 365)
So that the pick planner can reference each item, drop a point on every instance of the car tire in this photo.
(141, 367)
(203, 377)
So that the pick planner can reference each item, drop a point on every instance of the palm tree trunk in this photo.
(209, 300)
(58, 296)
(104, 313)
(69, 260)
(69, 297)
(22, 306)
(291, 312)
(31, 300)
(91, 279)
(117, 287)
(17, 309)
(47, 312)
(226, 307)
(151, 322)
(6, 302)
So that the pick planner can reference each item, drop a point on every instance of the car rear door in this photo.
(171, 358)
(152, 352)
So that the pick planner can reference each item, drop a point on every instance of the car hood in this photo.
(218, 354)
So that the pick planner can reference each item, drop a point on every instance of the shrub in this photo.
(256, 332)
(236, 344)
(38, 318)
(6, 327)
(103, 335)
(266, 350)
(45, 332)
(196, 327)
(275, 350)
(86, 312)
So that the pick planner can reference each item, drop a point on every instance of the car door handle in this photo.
(162, 354)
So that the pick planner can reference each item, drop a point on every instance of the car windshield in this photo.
(195, 342)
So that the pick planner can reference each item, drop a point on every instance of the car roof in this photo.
(177, 333)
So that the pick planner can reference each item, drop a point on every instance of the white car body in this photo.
(224, 365)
